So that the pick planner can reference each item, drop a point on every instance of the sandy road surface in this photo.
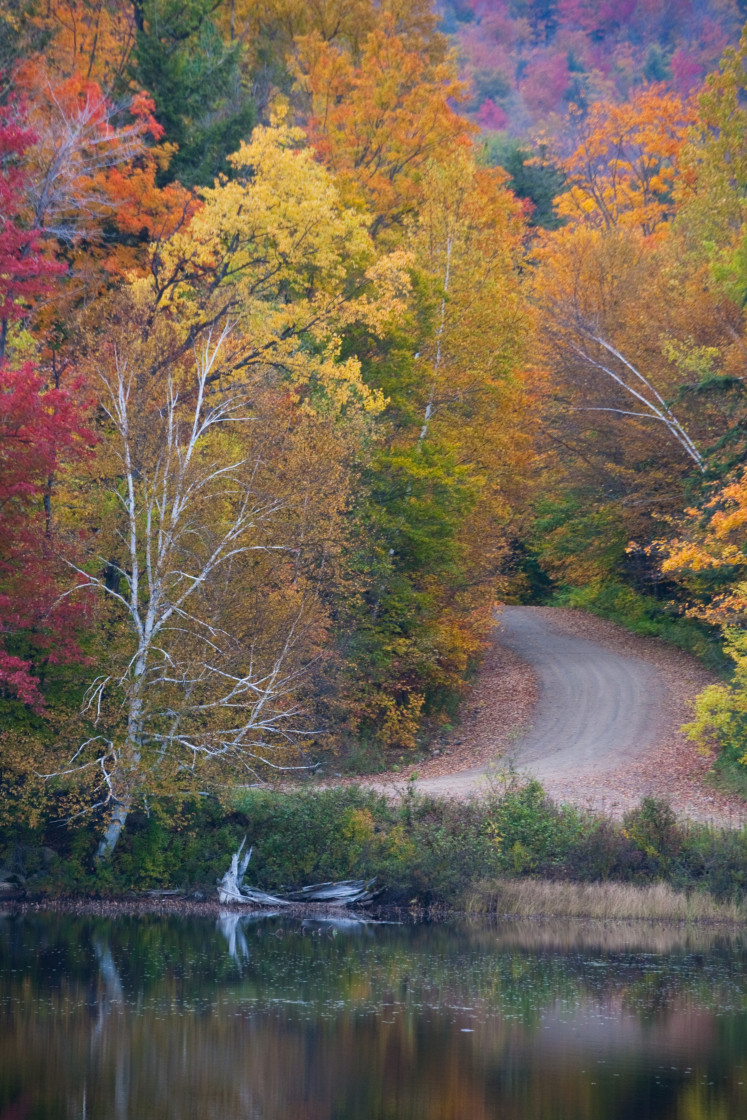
(598, 723)
(597, 708)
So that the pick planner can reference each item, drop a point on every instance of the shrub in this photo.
(653, 829)
(530, 833)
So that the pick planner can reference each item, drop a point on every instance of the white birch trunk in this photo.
(439, 343)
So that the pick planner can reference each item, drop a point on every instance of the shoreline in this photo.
(536, 901)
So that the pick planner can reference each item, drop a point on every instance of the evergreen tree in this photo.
(195, 81)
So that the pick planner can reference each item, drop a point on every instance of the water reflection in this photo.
(150, 1018)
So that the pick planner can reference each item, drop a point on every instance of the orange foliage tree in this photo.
(90, 38)
(709, 558)
(378, 122)
(623, 169)
(619, 437)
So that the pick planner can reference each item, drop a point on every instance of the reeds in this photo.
(542, 898)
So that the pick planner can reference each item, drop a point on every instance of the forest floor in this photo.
(590, 709)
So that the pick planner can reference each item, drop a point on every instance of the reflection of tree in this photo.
(232, 926)
(110, 996)
(109, 974)
(313, 1023)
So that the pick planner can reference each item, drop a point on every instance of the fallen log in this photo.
(347, 892)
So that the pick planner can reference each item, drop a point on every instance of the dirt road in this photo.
(599, 722)
(597, 708)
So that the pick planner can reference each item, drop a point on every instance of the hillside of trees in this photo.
(301, 372)
(529, 61)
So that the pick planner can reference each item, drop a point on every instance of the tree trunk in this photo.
(123, 806)
(113, 830)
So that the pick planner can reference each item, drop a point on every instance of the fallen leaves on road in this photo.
(500, 709)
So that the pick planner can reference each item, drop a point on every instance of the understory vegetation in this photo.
(650, 617)
(423, 852)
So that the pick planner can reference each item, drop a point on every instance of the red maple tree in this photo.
(39, 426)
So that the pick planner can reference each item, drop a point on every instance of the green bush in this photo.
(603, 853)
(530, 832)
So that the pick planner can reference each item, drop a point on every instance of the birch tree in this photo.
(624, 433)
(605, 332)
(188, 686)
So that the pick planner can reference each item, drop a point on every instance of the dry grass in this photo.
(538, 898)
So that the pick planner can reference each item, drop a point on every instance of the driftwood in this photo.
(348, 892)
(231, 888)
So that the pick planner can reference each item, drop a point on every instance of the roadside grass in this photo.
(532, 898)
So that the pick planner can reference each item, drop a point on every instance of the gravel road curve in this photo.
(591, 710)
(596, 709)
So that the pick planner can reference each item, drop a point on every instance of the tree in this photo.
(82, 139)
(710, 560)
(39, 426)
(640, 329)
(708, 257)
(39, 429)
(436, 497)
(620, 436)
(712, 189)
(622, 172)
(277, 249)
(186, 687)
(379, 123)
(90, 38)
(25, 268)
(90, 194)
(597, 292)
(216, 490)
(270, 31)
(195, 80)
(344, 22)
(533, 176)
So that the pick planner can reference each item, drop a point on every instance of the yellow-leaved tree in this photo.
(438, 496)
(278, 251)
(469, 238)
(229, 418)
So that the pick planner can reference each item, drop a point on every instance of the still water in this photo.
(144, 1018)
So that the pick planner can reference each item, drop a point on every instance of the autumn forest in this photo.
(324, 327)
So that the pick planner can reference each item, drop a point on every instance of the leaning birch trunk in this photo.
(123, 805)
(113, 830)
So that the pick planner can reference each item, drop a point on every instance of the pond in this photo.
(154, 1017)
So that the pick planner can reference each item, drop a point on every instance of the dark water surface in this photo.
(154, 1017)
